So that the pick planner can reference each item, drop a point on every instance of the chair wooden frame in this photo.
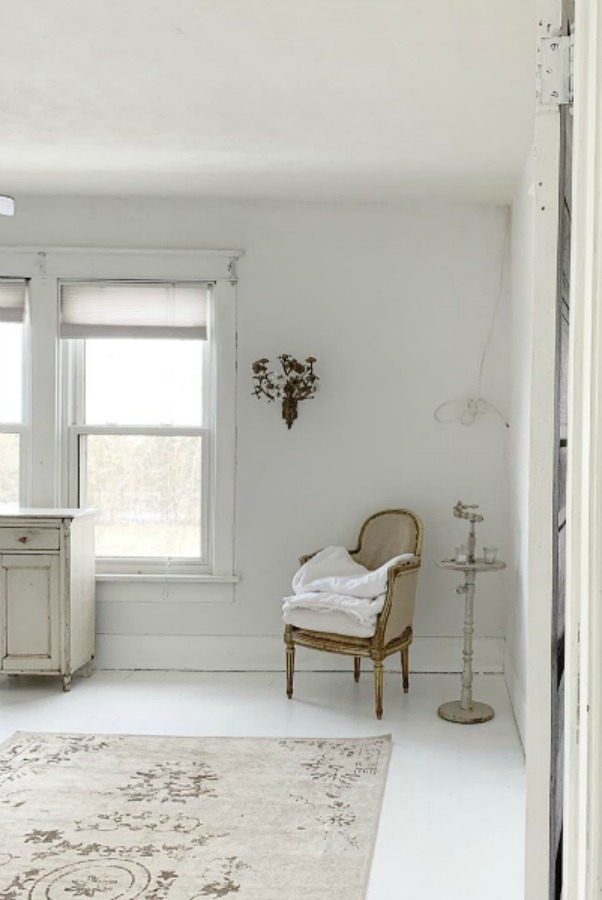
(393, 633)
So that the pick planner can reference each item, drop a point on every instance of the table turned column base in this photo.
(452, 712)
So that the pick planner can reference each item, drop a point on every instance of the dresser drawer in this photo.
(29, 539)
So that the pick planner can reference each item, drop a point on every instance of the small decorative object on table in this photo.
(296, 382)
(461, 511)
(467, 711)
(462, 554)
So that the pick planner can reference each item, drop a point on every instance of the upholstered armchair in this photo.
(384, 535)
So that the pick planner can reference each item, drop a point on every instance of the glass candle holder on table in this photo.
(489, 554)
(462, 554)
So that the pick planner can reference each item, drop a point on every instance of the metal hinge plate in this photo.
(556, 70)
(232, 270)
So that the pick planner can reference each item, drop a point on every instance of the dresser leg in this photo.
(88, 669)
(66, 683)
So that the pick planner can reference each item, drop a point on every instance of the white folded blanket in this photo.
(361, 610)
(332, 570)
(332, 581)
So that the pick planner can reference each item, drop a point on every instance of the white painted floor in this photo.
(452, 825)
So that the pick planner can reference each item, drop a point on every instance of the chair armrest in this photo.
(398, 611)
(402, 568)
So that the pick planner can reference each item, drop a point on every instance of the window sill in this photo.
(169, 578)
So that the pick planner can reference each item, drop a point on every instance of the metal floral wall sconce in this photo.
(296, 382)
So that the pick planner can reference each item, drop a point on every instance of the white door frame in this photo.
(583, 711)
(538, 722)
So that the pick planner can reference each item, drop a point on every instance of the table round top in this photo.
(479, 565)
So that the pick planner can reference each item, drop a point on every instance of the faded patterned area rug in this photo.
(117, 817)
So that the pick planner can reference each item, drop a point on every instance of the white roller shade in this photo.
(133, 309)
(12, 300)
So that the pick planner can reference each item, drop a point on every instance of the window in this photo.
(139, 391)
(125, 400)
(12, 430)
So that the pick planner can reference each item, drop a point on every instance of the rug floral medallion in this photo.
(118, 817)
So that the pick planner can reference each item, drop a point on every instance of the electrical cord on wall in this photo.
(467, 412)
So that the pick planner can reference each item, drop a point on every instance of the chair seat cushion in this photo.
(331, 621)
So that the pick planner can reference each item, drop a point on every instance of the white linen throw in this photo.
(331, 581)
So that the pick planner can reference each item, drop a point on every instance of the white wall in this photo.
(523, 248)
(396, 304)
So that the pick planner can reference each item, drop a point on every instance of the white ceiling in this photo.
(281, 99)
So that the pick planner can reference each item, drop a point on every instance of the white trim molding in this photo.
(253, 653)
(537, 721)
(583, 712)
(518, 697)
(110, 263)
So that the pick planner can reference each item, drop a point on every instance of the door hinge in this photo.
(232, 270)
(555, 70)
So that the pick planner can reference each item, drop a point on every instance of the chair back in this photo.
(387, 534)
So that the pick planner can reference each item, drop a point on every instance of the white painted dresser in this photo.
(47, 592)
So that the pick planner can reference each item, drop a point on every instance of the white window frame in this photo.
(46, 474)
(74, 428)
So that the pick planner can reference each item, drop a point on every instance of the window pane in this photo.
(11, 371)
(147, 489)
(9, 469)
(144, 382)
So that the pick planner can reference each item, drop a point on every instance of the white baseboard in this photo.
(266, 653)
(518, 698)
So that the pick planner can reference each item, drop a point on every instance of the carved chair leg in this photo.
(405, 668)
(378, 687)
(290, 660)
(357, 667)
(290, 670)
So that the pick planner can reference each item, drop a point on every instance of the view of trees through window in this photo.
(9, 469)
(147, 489)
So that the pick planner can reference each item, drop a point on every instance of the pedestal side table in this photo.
(467, 711)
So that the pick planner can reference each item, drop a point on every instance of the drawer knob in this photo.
(22, 540)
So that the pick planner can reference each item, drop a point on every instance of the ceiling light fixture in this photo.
(7, 205)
